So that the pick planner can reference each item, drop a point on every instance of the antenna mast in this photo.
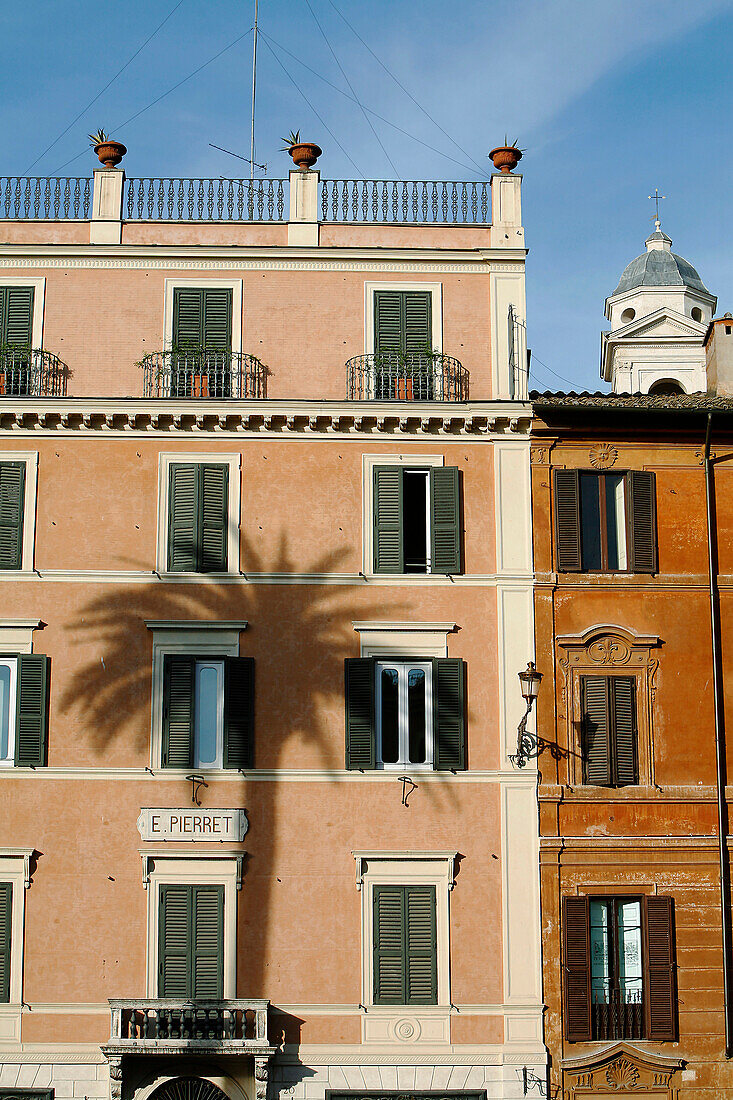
(254, 86)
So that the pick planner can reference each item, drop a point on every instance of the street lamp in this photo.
(527, 743)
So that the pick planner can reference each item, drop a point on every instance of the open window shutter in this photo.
(389, 945)
(596, 742)
(360, 719)
(208, 942)
(445, 520)
(239, 695)
(214, 508)
(449, 721)
(418, 323)
(567, 521)
(642, 521)
(174, 941)
(12, 498)
(388, 326)
(624, 729)
(661, 999)
(32, 711)
(6, 921)
(387, 506)
(421, 953)
(178, 702)
(576, 949)
(188, 317)
(217, 334)
(183, 518)
(18, 319)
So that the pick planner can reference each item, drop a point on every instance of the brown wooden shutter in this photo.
(567, 521)
(576, 951)
(642, 521)
(659, 967)
(624, 730)
(595, 722)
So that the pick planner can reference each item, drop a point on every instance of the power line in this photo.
(351, 89)
(376, 114)
(536, 358)
(164, 94)
(104, 89)
(297, 86)
(404, 89)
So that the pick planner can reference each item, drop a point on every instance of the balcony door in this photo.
(404, 366)
(191, 942)
(201, 364)
(16, 336)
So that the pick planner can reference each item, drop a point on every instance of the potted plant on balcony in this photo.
(109, 152)
(304, 153)
(506, 157)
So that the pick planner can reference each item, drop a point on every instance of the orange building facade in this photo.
(262, 615)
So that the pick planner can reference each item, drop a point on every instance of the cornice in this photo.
(140, 416)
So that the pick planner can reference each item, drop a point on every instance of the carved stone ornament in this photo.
(115, 1078)
(620, 1069)
(262, 1077)
(609, 650)
(602, 456)
(622, 1074)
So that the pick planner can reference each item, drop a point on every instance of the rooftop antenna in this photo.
(656, 197)
(254, 88)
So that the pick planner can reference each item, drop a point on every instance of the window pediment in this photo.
(621, 1067)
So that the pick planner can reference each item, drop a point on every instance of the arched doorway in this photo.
(188, 1088)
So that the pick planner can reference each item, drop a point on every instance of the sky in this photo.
(610, 99)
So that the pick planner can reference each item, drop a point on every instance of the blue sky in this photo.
(610, 100)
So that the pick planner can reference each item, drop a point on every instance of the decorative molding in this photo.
(602, 456)
(405, 856)
(267, 775)
(195, 624)
(622, 1068)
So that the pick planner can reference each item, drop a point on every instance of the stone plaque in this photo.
(192, 823)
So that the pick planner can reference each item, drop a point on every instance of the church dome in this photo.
(659, 266)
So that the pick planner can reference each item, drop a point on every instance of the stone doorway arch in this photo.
(188, 1088)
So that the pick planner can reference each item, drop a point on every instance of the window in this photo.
(619, 968)
(6, 926)
(201, 363)
(416, 519)
(609, 730)
(605, 523)
(403, 350)
(191, 941)
(23, 710)
(405, 963)
(12, 508)
(208, 711)
(403, 712)
(198, 499)
(16, 338)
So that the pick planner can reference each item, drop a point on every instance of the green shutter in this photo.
(239, 682)
(188, 317)
(449, 721)
(174, 941)
(567, 521)
(642, 521)
(387, 526)
(388, 325)
(12, 498)
(178, 710)
(213, 516)
(31, 720)
(183, 509)
(6, 923)
(208, 943)
(596, 736)
(421, 953)
(624, 729)
(418, 323)
(403, 322)
(360, 720)
(217, 335)
(445, 520)
(389, 945)
(16, 316)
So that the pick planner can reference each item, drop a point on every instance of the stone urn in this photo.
(505, 157)
(305, 154)
(110, 153)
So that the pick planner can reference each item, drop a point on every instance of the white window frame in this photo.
(15, 869)
(194, 639)
(203, 283)
(39, 302)
(369, 461)
(187, 869)
(436, 312)
(405, 663)
(12, 664)
(380, 1023)
(28, 549)
(234, 462)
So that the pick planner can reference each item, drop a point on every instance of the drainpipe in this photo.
(719, 739)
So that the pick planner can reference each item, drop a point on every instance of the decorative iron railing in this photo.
(210, 200)
(617, 1017)
(145, 1024)
(392, 376)
(200, 373)
(31, 372)
(408, 202)
(33, 198)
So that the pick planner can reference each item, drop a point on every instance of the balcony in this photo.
(170, 1026)
(31, 372)
(617, 1018)
(199, 373)
(391, 376)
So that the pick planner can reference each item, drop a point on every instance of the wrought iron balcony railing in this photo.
(618, 1018)
(31, 372)
(200, 373)
(145, 1025)
(411, 202)
(391, 376)
(189, 200)
(33, 198)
